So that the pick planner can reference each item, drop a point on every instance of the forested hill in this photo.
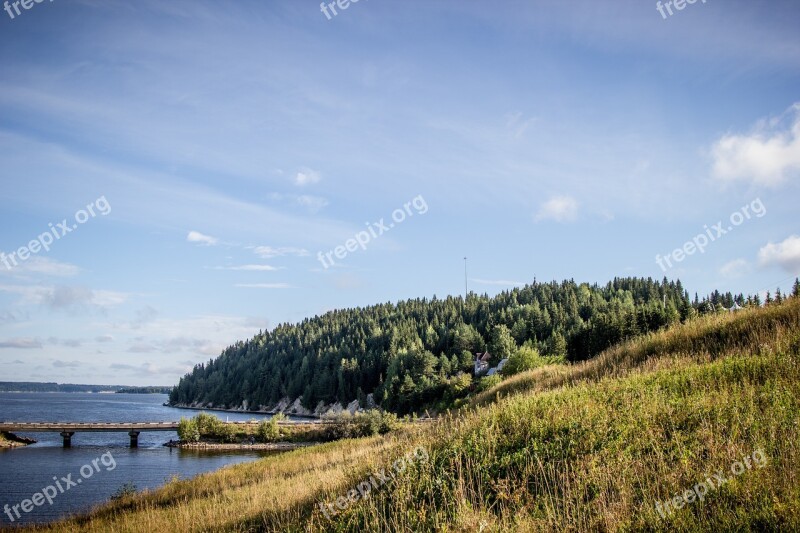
(419, 353)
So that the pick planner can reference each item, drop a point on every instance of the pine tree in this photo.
(796, 290)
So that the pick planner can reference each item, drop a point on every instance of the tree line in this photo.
(419, 353)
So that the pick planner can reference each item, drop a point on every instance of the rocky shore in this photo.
(9, 440)
(272, 446)
(285, 406)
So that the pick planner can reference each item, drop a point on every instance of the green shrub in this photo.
(488, 382)
(226, 433)
(269, 430)
(347, 426)
(187, 430)
(528, 358)
(209, 425)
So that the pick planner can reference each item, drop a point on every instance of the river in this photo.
(26, 471)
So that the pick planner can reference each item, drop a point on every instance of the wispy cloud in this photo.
(149, 369)
(144, 316)
(735, 269)
(141, 347)
(199, 238)
(43, 266)
(559, 209)
(517, 124)
(250, 268)
(22, 343)
(67, 364)
(500, 282)
(70, 343)
(11, 316)
(65, 297)
(312, 203)
(264, 286)
(268, 252)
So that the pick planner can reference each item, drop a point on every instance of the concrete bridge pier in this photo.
(134, 438)
(67, 435)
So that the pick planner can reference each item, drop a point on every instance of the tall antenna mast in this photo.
(466, 290)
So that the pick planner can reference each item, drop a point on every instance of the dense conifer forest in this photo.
(419, 353)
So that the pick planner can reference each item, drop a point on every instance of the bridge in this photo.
(68, 429)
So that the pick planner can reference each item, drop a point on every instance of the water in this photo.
(26, 471)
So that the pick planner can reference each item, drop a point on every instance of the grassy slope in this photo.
(587, 447)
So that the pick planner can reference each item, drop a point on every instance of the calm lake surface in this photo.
(25, 471)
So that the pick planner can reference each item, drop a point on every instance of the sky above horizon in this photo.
(206, 170)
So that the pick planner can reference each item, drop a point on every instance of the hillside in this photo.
(418, 354)
(711, 406)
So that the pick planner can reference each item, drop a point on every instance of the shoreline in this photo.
(240, 412)
(270, 446)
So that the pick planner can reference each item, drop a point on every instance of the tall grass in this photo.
(590, 447)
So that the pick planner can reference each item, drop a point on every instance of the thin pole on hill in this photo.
(466, 290)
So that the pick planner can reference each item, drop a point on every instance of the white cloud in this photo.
(786, 254)
(735, 268)
(268, 252)
(199, 238)
(558, 208)
(306, 176)
(767, 156)
(264, 286)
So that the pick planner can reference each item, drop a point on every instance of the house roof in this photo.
(483, 357)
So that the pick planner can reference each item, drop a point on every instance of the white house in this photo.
(481, 362)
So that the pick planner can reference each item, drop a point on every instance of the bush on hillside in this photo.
(366, 424)
(528, 358)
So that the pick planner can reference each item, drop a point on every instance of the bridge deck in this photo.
(87, 426)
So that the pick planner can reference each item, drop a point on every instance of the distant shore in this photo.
(240, 412)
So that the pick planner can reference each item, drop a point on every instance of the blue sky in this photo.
(231, 143)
